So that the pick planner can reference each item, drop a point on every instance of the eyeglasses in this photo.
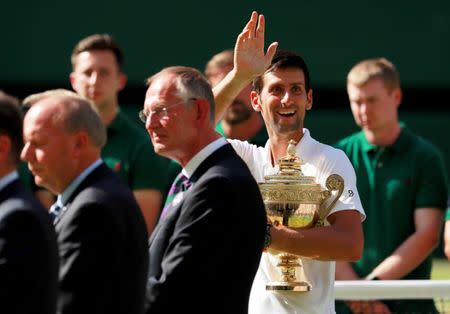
(160, 111)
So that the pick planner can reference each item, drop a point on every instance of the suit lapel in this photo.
(169, 218)
(211, 160)
(98, 172)
(61, 214)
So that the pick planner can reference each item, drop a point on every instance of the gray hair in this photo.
(190, 84)
(30, 100)
(77, 114)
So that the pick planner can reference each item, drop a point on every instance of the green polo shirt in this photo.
(392, 182)
(129, 152)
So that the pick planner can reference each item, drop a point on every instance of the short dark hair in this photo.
(11, 122)
(98, 42)
(284, 59)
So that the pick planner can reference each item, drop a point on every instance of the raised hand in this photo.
(250, 60)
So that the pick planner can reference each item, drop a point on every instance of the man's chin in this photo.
(41, 183)
(160, 149)
(38, 181)
(287, 128)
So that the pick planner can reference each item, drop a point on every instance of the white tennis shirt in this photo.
(320, 161)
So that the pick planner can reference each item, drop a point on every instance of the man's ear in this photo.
(123, 79)
(203, 109)
(309, 99)
(81, 141)
(5, 148)
(254, 98)
(72, 78)
(398, 95)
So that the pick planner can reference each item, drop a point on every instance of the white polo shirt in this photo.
(320, 161)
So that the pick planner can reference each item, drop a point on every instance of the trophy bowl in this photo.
(296, 201)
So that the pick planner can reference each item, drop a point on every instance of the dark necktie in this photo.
(55, 209)
(180, 184)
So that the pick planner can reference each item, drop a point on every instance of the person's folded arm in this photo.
(341, 240)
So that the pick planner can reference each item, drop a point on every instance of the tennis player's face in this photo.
(283, 101)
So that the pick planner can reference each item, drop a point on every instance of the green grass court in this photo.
(441, 269)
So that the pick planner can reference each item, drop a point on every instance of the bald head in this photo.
(63, 135)
(70, 112)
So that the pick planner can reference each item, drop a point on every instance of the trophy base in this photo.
(296, 286)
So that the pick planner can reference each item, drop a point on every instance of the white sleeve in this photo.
(341, 165)
(243, 149)
(252, 155)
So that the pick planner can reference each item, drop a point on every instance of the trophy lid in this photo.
(290, 168)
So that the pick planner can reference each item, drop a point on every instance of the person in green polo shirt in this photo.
(402, 184)
(97, 75)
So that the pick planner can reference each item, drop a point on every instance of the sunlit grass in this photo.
(441, 271)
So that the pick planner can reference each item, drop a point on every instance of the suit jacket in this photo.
(205, 253)
(28, 254)
(102, 241)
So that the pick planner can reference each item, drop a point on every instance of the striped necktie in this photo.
(180, 184)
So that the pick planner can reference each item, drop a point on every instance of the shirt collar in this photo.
(365, 145)
(67, 193)
(10, 177)
(400, 143)
(304, 146)
(195, 161)
(403, 139)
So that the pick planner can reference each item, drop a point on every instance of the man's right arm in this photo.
(249, 62)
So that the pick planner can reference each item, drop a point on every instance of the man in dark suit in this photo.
(100, 230)
(28, 251)
(206, 248)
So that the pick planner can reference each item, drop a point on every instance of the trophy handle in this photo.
(334, 182)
